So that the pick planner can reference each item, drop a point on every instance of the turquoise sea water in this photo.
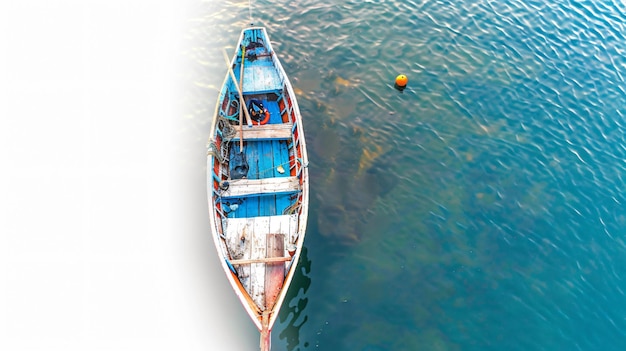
(482, 208)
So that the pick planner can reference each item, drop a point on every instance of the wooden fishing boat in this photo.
(257, 179)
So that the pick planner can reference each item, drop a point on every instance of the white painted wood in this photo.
(238, 244)
(293, 230)
(289, 227)
(257, 270)
(247, 241)
(246, 187)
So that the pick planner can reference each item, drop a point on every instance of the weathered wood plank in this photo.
(247, 240)
(244, 187)
(267, 131)
(289, 226)
(274, 272)
(261, 260)
(234, 227)
(258, 250)
(238, 234)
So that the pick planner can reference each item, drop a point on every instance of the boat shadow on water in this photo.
(293, 312)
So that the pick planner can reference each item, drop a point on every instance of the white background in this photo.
(104, 239)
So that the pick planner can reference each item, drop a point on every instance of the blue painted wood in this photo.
(266, 159)
(275, 158)
(252, 150)
(284, 157)
(260, 78)
(272, 107)
(283, 202)
(263, 155)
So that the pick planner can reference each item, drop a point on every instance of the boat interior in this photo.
(261, 177)
(257, 178)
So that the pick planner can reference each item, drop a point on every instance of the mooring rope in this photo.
(292, 209)
(263, 171)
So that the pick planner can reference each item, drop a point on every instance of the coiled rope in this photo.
(228, 132)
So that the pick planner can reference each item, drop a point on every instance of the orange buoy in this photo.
(401, 81)
(266, 119)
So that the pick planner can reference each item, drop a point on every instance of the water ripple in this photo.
(487, 198)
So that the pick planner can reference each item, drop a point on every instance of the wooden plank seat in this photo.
(247, 187)
(266, 131)
(261, 260)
